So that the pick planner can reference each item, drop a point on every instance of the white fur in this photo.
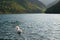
(18, 29)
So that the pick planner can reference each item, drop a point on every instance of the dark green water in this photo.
(34, 26)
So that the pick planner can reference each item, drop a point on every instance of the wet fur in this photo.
(18, 30)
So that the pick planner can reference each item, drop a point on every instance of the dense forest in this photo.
(54, 9)
(21, 6)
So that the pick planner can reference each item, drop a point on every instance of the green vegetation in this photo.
(19, 6)
(10, 7)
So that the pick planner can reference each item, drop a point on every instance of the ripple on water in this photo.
(36, 27)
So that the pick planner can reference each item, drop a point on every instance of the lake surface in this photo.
(34, 26)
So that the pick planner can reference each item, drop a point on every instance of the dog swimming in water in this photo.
(18, 29)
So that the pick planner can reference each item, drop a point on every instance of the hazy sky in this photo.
(47, 1)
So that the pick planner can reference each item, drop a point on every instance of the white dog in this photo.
(19, 31)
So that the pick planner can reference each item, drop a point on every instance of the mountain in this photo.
(52, 4)
(10, 6)
(54, 9)
(21, 6)
(38, 3)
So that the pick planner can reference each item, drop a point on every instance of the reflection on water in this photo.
(34, 26)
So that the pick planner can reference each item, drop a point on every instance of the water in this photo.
(34, 26)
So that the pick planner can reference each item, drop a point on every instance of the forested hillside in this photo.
(21, 6)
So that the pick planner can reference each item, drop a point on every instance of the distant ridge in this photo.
(52, 4)
(54, 9)
(37, 2)
(21, 6)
